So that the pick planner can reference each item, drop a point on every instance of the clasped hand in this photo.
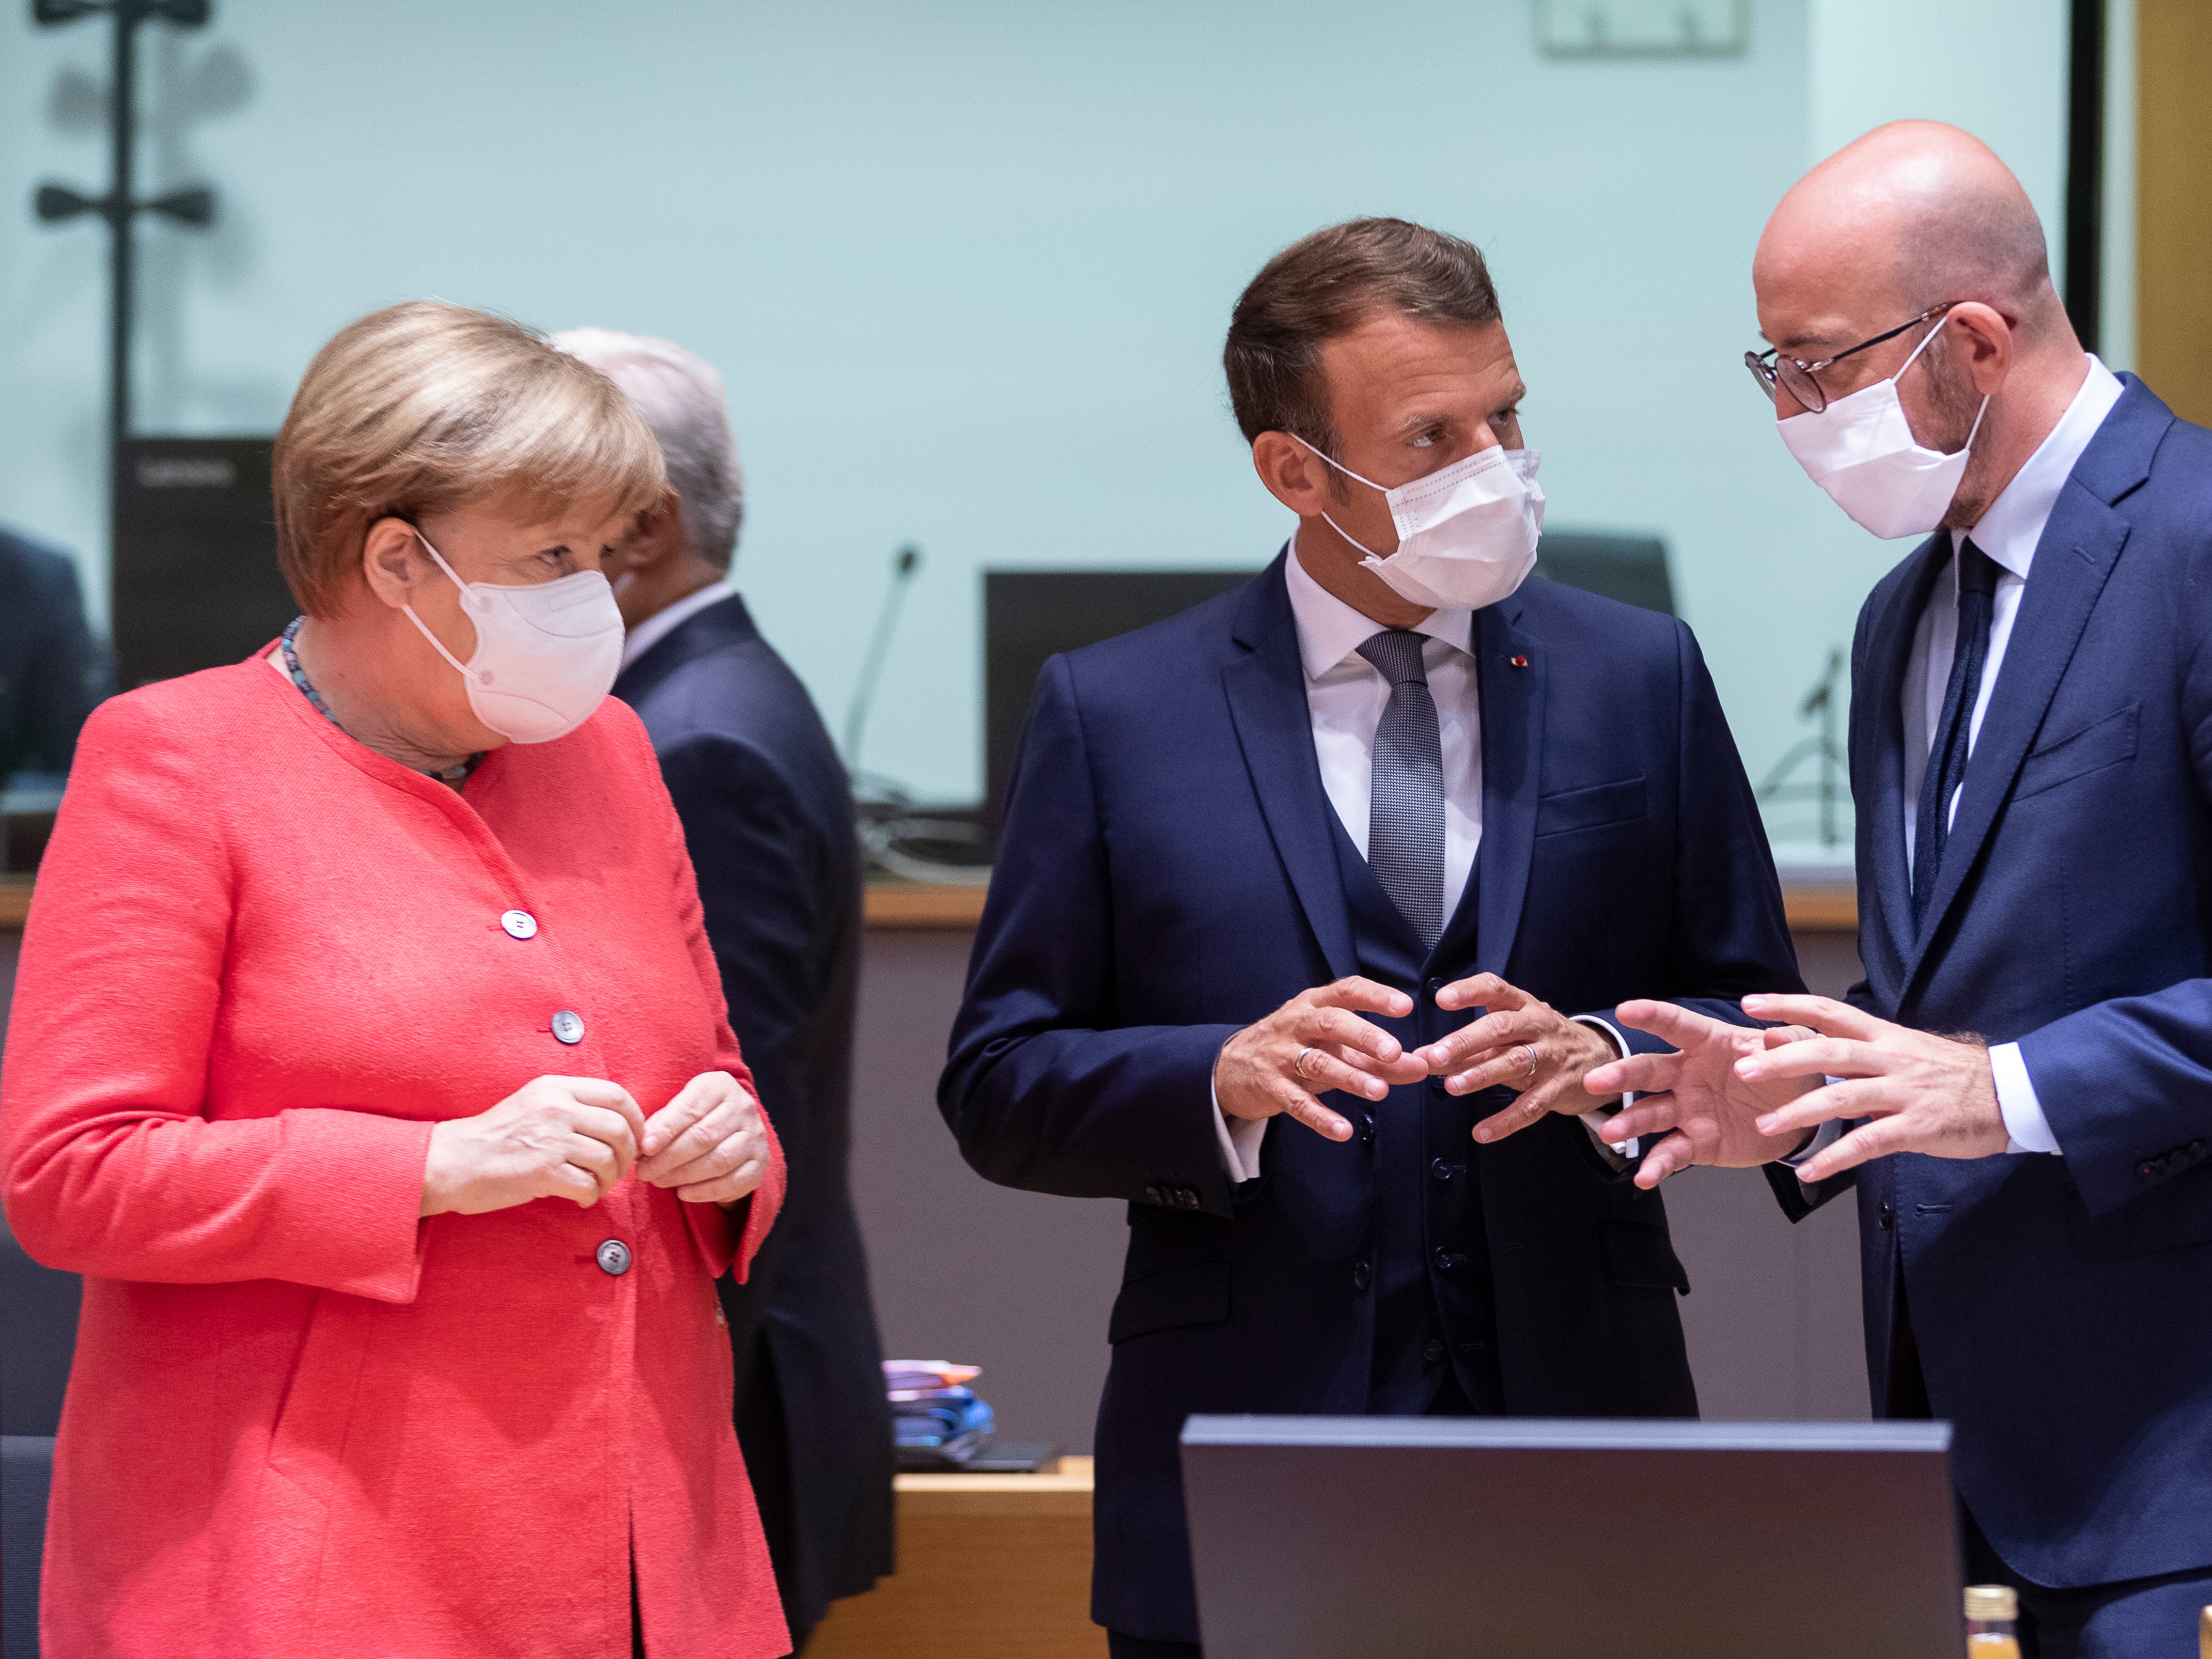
(576, 1137)
(1317, 1042)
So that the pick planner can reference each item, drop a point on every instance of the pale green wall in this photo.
(966, 265)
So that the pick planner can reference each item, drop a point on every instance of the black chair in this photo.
(38, 1338)
(1630, 568)
(27, 1471)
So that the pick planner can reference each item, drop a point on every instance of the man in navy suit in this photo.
(768, 819)
(1261, 861)
(2025, 1072)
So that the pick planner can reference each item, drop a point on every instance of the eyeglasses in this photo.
(1794, 376)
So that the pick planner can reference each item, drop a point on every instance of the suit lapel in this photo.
(2073, 559)
(1891, 887)
(1267, 692)
(1513, 710)
(726, 621)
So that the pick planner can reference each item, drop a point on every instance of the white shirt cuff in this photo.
(1624, 1154)
(1823, 1138)
(2023, 1113)
(1240, 1142)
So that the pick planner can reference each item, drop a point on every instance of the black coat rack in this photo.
(121, 206)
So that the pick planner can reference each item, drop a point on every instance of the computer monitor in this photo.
(1488, 1538)
(1031, 614)
(196, 583)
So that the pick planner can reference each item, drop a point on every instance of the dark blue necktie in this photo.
(1947, 754)
(1406, 809)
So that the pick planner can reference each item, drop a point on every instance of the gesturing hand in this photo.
(1315, 1041)
(554, 1137)
(1923, 1093)
(1698, 1092)
(1521, 1044)
(710, 1143)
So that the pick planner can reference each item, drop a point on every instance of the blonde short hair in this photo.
(425, 407)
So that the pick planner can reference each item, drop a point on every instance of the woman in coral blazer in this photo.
(368, 1060)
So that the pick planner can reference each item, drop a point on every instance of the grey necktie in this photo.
(1406, 809)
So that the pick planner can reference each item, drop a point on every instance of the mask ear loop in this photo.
(1925, 340)
(437, 644)
(1332, 523)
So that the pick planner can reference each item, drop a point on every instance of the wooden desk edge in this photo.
(1067, 1492)
(917, 906)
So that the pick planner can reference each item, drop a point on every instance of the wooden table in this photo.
(990, 1566)
(902, 904)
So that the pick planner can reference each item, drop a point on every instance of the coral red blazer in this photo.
(262, 961)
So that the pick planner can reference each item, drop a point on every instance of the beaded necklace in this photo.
(455, 775)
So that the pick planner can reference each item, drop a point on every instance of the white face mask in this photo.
(1861, 451)
(546, 655)
(1467, 535)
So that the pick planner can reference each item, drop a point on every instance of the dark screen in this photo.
(196, 583)
(1031, 614)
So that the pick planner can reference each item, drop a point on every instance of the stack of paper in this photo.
(939, 1422)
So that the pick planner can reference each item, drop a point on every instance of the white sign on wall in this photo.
(1643, 28)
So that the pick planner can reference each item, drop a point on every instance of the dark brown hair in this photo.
(1328, 284)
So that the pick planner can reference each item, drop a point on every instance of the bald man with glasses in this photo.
(2021, 1088)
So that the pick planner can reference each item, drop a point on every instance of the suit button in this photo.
(1367, 1128)
(1187, 1197)
(1156, 1195)
(1442, 1171)
(1444, 1259)
(1886, 1216)
(1433, 987)
(1433, 1351)
(1362, 1275)
(614, 1258)
(520, 924)
(569, 1026)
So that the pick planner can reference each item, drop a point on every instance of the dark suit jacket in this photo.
(1167, 876)
(768, 819)
(50, 672)
(2062, 1306)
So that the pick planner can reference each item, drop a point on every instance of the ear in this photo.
(1984, 336)
(1294, 475)
(392, 561)
(659, 539)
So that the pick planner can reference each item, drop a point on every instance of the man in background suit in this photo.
(2030, 752)
(1261, 861)
(768, 816)
(51, 674)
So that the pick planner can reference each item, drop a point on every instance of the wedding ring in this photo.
(1299, 1064)
(1529, 1049)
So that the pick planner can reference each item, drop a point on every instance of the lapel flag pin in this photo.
(1520, 662)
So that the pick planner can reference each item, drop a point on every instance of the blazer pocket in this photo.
(1640, 1257)
(2108, 742)
(1590, 809)
(307, 1442)
(1185, 1293)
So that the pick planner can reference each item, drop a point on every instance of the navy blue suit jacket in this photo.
(2062, 1306)
(768, 820)
(1167, 875)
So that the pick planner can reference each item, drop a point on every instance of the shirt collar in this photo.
(666, 621)
(1329, 630)
(2008, 531)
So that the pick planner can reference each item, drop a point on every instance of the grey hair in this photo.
(680, 397)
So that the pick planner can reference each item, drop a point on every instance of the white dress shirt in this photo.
(1346, 696)
(2007, 532)
(664, 622)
